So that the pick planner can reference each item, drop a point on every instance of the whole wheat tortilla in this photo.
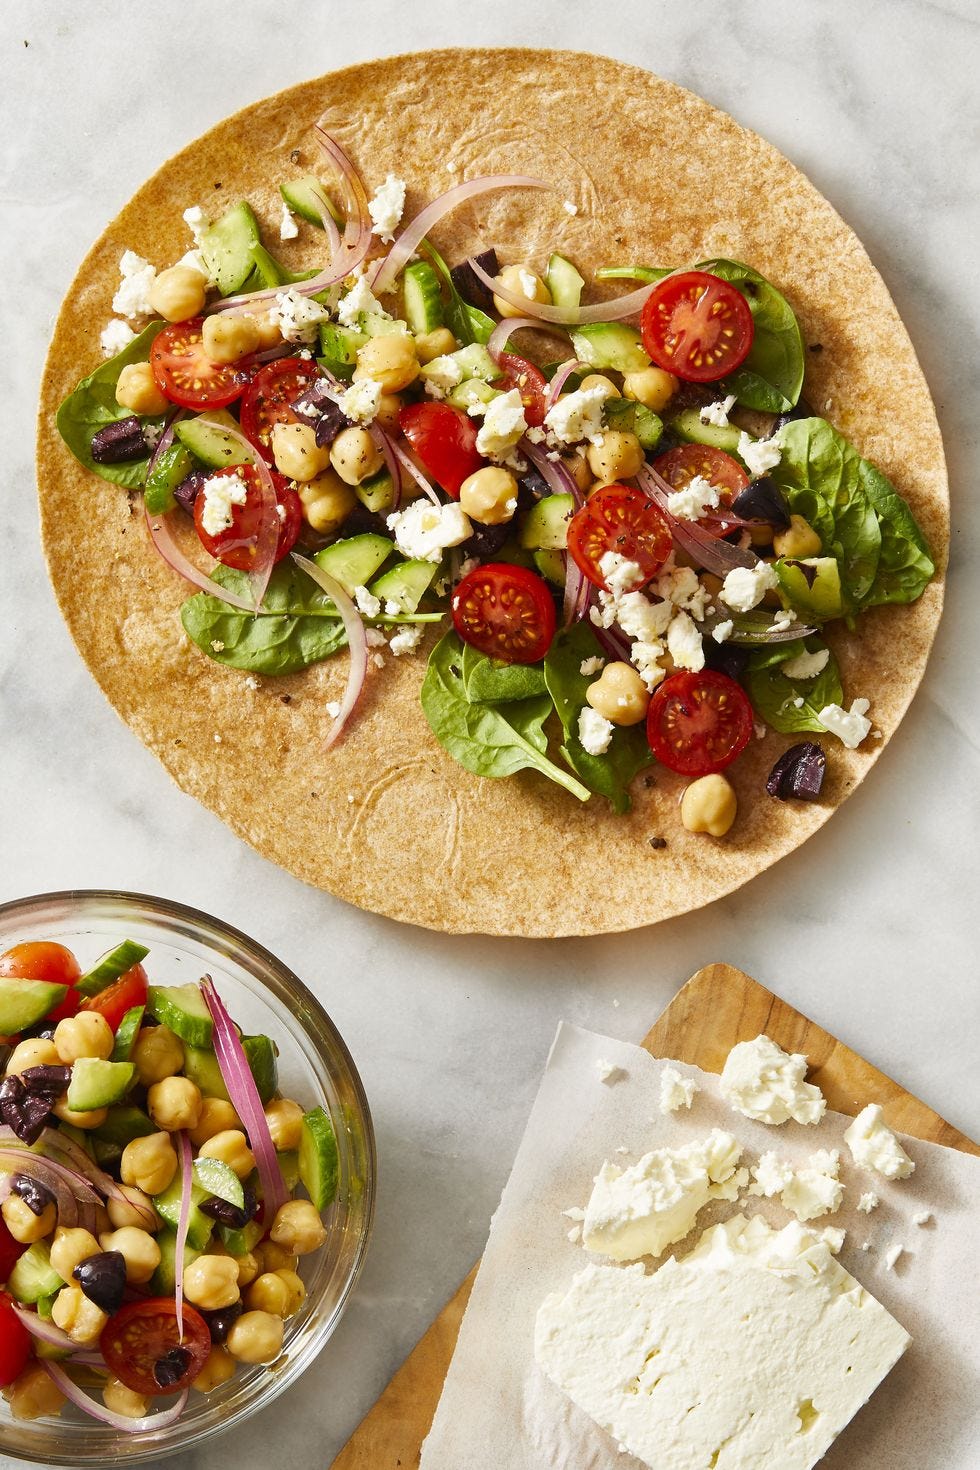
(388, 820)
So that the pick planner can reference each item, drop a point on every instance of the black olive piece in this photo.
(32, 1114)
(362, 522)
(468, 283)
(725, 658)
(763, 501)
(329, 423)
(41, 1032)
(801, 410)
(312, 401)
(119, 442)
(221, 1321)
(36, 1196)
(12, 1090)
(532, 486)
(798, 773)
(234, 1216)
(189, 489)
(171, 1368)
(103, 1279)
(486, 541)
(46, 1081)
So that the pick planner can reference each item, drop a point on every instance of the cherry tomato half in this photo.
(697, 326)
(15, 1343)
(183, 371)
(41, 959)
(617, 518)
(530, 382)
(10, 1253)
(679, 467)
(113, 1002)
(444, 438)
(698, 723)
(139, 1335)
(235, 547)
(506, 612)
(267, 399)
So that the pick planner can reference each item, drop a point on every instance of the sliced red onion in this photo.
(713, 554)
(65, 1184)
(408, 241)
(356, 639)
(601, 311)
(576, 596)
(384, 443)
(56, 1142)
(165, 544)
(244, 1095)
(266, 541)
(42, 1330)
(408, 462)
(183, 1219)
(756, 628)
(557, 475)
(560, 379)
(326, 219)
(503, 331)
(91, 1406)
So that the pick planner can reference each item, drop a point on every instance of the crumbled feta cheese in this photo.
(575, 1234)
(717, 413)
(359, 298)
(387, 206)
(758, 455)
(115, 336)
(442, 374)
(772, 1175)
(765, 1083)
(684, 642)
(221, 492)
(577, 416)
(136, 277)
(724, 631)
(297, 316)
(503, 424)
(645, 658)
(639, 617)
(784, 620)
(619, 573)
(874, 1145)
(850, 726)
(590, 666)
(608, 1072)
(680, 585)
(333, 708)
(378, 660)
(745, 587)
(809, 1191)
(361, 401)
(868, 1202)
(594, 732)
(217, 645)
(288, 228)
(922, 1217)
(574, 1212)
(676, 1090)
(196, 221)
(407, 639)
(367, 603)
(422, 530)
(569, 206)
(691, 503)
(529, 284)
(806, 665)
(891, 1256)
(194, 261)
(374, 638)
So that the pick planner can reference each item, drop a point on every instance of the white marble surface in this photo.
(871, 927)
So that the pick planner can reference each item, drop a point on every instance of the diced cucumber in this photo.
(122, 1124)
(199, 1225)
(339, 347)
(260, 1053)
(173, 466)
(289, 1167)
(164, 1279)
(475, 362)
(564, 283)
(354, 561)
(183, 1009)
(626, 413)
(44, 1307)
(688, 426)
(227, 247)
(80, 1136)
(610, 345)
(126, 1034)
(424, 310)
(373, 324)
(112, 966)
(406, 583)
(318, 1159)
(25, 1002)
(202, 1067)
(216, 1178)
(551, 565)
(33, 1276)
(208, 444)
(376, 494)
(98, 1084)
(240, 1242)
(303, 196)
(811, 586)
(471, 390)
(545, 526)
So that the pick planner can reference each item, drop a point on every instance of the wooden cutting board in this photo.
(718, 1007)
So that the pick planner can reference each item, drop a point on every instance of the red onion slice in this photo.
(601, 311)
(398, 256)
(65, 1184)
(356, 639)
(613, 644)
(556, 475)
(183, 1220)
(91, 1406)
(407, 461)
(326, 219)
(560, 379)
(165, 544)
(503, 331)
(576, 595)
(714, 555)
(42, 1330)
(384, 443)
(55, 1142)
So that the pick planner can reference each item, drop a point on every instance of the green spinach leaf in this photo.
(774, 696)
(297, 627)
(487, 739)
(93, 404)
(771, 376)
(486, 681)
(467, 323)
(905, 566)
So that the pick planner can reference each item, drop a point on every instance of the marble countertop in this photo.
(870, 928)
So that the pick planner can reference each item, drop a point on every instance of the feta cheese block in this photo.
(754, 1351)
(767, 1084)
(873, 1144)
(641, 1210)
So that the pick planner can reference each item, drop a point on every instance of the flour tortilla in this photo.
(388, 820)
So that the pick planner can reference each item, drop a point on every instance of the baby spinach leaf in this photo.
(774, 695)
(297, 627)
(609, 774)
(486, 681)
(905, 566)
(771, 377)
(487, 739)
(93, 404)
(467, 323)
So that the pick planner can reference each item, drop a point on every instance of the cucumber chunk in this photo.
(302, 196)
(173, 466)
(33, 1276)
(424, 310)
(564, 283)
(688, 426)
(126, 1034)
(122, 1124)
(551, 565)
(98, 1084)
(376, 494)
(215, 450)
(202, 1067)
(112, 966)
(240, 1242)
(289, 1167)
(636, 418)
(227, 247)
(546, 523)
(163, 1282)
(260, 1053)
(182, 1008)
(610, 345)
(339, 347)
(471, 390)
(406, 583)
(318, 1159)
(355, 560)
(216, 1178)
(199, 1225)
(25, 1002)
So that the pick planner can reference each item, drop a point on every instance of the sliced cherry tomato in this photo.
(530, 382)
(267, 399)
(444, 438)
(135, 1340)
(679, 467)
(506, 612)
(235, 547)
(699, 723)
(41, 959)
(183, 371)
(113, 1002)
(10, 1253)
(15, 1343)
(697, 326)
(617, 518)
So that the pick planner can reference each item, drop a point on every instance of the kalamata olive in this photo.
(763, 500)
(798, 773)
(486, 541)
(468, 283)
(364, 522)
(24, 1112)
(120, 442)
(171, 1368)
(221, 1321)
(803, 410)
(35, 1195)
(46, 1081)
(533, 485)
(725, 658)
(328, 424)
(103, 1279)
(234, 1216)
(189, 489)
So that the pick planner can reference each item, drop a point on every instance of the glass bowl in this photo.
(314, 1067)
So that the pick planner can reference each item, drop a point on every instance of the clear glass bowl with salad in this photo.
(132, 1026)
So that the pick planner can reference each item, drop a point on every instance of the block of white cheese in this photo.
(752, 1353)
(765, 1083)
(641, 1210)
(873, 1144)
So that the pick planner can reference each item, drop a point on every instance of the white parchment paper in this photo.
(499, 1409)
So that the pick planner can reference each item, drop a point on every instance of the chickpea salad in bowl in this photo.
(159, 1193)
(636, 524)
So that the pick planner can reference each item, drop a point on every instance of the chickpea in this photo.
(578, 467)
(272, 1257)
(149, 1163)
(86, 1035)
(132, 1210)
(138, 1249)
(619, 695)
(92, 1118)
(136, 389)
(296, 1291)
(298, 1227)
(22, 1222)
(522, 282)
(227, 337)
(619, 456)
(218, 1368)
(33, 1394)
(388, 410)
(122, 1400)
(75, 1314)
(248, 1268)
(37, 1052)
(232, 1149)
(296, 452)
(799, 539)
(650, 386)
(268, 329)
(489, 495)
(211, 1282)
(216, 1115)
(326, 502)
(355, 456)
(174, 1103)
(709, 805)
(599, 380)
(70, 1248)
(284, 1118)
(158, 1053)
(431, 345)
(268, 1293)
(390, 360)
(760, 534)
(256, 1337)
(178, 293)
